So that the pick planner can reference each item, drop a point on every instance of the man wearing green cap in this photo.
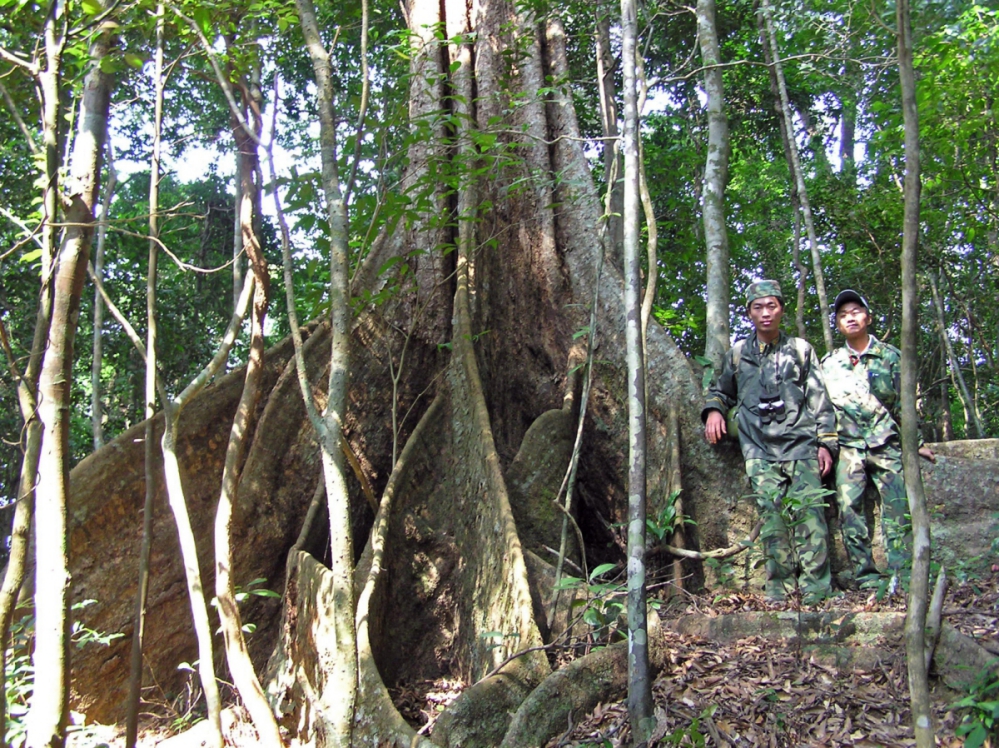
(787, 432)
(863, 379)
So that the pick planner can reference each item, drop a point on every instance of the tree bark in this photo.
(639, 682)
(718, 339)
(49, 709)
(532, 274)
(915, 621)
(971, 414)
(613, 167)
(238, 657)
(49, 81)
(340, 695)
(135, 675)
(97, 359)
(182, 520)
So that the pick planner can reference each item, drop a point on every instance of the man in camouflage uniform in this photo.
(863, 379)
(786, 428)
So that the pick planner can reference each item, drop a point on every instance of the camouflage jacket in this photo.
(865, 394)
(787, 370)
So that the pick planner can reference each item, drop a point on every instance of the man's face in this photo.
(766, 314)
(852, 319)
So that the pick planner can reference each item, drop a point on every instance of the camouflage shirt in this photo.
(787, 371)
(865, 392)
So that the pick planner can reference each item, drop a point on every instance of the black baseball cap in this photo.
(849, 295)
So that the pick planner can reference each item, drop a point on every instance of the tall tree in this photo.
(339, 706)
(50, 706)
(152, 273)
(247, 124)
(797, 172)
(918, 600)
(715, 181)
(96, 404)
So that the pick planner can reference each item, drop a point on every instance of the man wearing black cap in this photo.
(863, 379)
(787, 433)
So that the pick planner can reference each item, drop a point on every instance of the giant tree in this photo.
(485, 278)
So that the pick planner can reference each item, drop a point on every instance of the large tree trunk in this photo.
(445, 575)
(715, 180)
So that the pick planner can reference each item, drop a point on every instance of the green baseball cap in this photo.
(762, 289)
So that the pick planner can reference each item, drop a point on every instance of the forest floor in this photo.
(752, 693)
(746, 693)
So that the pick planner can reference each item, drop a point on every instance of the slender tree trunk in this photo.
(606, 68)
(192, 571)
(49, 79)
(342, 692)
(971, 415)
(49, 708)
(639, 683)
(945, 424)
(848, 125)
(785, 137)
(715, 180)
(97, 359)
(915, 621)
(135, 672)
(799, 310)
(237, 236)
(178, 505)
(20, 534)
(240, 666)
(797, 174)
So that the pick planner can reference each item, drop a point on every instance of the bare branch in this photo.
(16, 115)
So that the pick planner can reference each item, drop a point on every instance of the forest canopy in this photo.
(842, 88)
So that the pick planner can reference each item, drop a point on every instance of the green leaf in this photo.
(265, 593)
(109, 65)
(91, 7)
(568, 583)
(976, 737)
(134, 60)
(602, 569)
(203, 18)
(30, 257)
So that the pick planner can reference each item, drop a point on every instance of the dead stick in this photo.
(935, 613)
(732, 550)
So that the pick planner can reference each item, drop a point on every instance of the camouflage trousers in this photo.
(884, 467)
(795, 536)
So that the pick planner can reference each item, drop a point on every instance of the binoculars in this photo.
(772, 409)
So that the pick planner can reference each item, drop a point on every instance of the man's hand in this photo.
(927, 454)
(825, 461)
(714, 427)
